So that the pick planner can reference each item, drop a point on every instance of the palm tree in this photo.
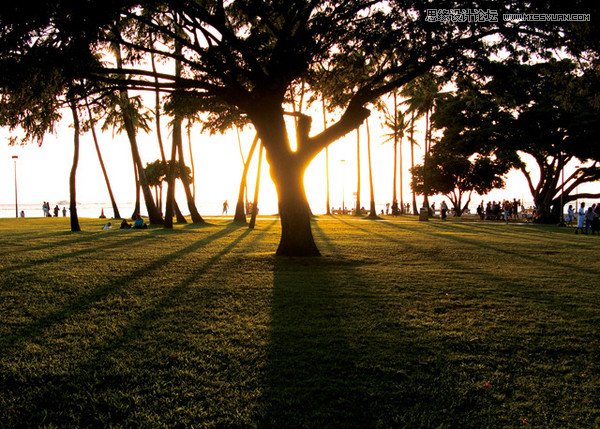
(398, 126)
(72, 188)
(372, 209)
(239, 140)
(92, 127)
(188, 129)
(240, 210)
(157, 116)
(156, 173)
(127, 114)
(422, 94)
(255, 201)
(412, 158)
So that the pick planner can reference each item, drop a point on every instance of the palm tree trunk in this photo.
(170, 206)
(157, 110)
(425, 157)
(401, 175)
(394, 195)
(357, 211)
(153, 213)
(237, 131)
(196, 218)
(178, 215)
(136, 207)
(116, 213)
(189, 139)
(72, 188)
(256, 188)
(412, 159)
(372, 209)
(240, 211)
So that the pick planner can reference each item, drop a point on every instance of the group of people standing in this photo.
(499, 210)
(588, 220)
(56, 210)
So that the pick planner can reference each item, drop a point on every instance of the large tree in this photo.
(547, 111)
(457, 176)
(245, 55)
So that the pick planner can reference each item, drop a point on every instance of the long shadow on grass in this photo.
(339, 357)
(132, 241)
(442, 393)
(80, 237)
(85, 301)
(531, 232)
(151, 350)
(505, 250)
(521, 288)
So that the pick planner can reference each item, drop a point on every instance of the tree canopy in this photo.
(548, 110)
(240, 57)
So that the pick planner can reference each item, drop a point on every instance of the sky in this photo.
(43, 171)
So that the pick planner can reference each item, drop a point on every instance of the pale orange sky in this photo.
(43, 172)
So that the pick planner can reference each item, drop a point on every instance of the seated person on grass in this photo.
(139, 223)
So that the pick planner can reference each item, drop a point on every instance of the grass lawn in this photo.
(400, 324)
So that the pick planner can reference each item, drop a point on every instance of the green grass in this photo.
(399, 324)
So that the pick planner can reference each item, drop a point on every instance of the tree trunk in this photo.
(256, 189)
(72, 188)
(401, 175)
(116, 213)
(189, 139)
(240, 210)
(296, 234)
(196, 218)
(170, 206)
(136, 207)
(426, 155)
(412, 159)
(245, 198)
(372, 209)
(394, 195)
(287, 172)
(153, 213)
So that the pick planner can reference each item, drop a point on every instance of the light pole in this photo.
(343, 161)
(15, 157)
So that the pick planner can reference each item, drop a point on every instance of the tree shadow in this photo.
(85, 301)
(81, 237)
(505, 249)
(151, 345)
(112, 245)
(513, 287)
(341, 356)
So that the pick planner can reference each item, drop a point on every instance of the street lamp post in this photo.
(342, 161)
(15, 157)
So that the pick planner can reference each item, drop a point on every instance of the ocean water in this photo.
(93, 210)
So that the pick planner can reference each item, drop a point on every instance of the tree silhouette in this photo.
(545, 110)
(245, 54)
(421, 96)
(398, 125)
(91, 126)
